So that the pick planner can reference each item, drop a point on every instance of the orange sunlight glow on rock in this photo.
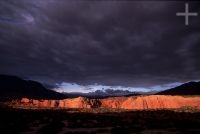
(133, 102)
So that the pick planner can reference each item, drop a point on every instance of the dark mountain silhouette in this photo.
(15, 87)
(190, 88)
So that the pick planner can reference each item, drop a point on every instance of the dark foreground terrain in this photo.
(15, 121)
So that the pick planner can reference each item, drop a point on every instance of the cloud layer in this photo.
(114, 43)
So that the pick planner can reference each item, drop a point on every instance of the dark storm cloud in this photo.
(106, 42)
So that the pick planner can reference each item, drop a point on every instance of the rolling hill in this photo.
(190, 88)
(15, 87)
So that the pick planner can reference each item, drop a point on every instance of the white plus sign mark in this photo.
(186, 14)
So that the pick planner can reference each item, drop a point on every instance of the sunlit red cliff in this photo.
(133, 102)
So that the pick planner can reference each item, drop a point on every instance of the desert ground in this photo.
(98, 121)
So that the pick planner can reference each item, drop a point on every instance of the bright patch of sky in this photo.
(73, 87)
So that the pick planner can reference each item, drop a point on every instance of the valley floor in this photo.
(76, 121)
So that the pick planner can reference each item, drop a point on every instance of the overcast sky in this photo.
(100, 43)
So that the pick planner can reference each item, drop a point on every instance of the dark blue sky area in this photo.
(137, 45)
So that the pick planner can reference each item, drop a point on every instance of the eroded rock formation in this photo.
(80, 102)
(133, 102)
(153, 102)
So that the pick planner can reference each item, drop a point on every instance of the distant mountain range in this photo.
(190, 88)
(102, 93)
(15, 87)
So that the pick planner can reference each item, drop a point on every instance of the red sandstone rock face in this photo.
(113, 102)
(133, 102)
(151, 102)
(24, 100)
(79, 102)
